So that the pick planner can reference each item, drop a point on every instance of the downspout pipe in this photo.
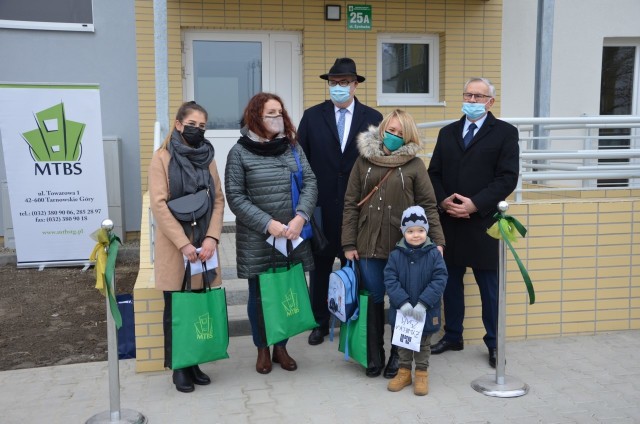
(161, 65)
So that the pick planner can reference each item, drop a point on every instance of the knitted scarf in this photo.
(189, 173)
(262, 147)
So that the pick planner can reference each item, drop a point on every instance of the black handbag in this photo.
(190, 207)
(319, 241)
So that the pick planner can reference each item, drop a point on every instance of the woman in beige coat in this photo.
(183, 165)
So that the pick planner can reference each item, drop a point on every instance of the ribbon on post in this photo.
(104, 254)
(507, 228)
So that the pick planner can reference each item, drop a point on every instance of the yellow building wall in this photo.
(583, 258)
(148, 305)
(469, 30)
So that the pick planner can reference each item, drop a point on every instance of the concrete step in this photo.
(238, 320)
(237, 291)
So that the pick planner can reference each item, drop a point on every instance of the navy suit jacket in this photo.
(318, 136)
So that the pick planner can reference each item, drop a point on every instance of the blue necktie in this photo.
(341, 125)
(469, 135)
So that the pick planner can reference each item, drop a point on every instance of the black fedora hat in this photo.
(343, 66)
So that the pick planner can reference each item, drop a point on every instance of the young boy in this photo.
(415, 278)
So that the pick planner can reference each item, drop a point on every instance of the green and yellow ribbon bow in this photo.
(507, 228)
(105, 254)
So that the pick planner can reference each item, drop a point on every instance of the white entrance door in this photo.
(224, 69)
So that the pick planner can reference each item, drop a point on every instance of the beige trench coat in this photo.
(169, 235)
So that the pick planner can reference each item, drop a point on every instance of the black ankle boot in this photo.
(198, 376)
(375, 365)
(183, 380)
(375, 339)
(391, 369)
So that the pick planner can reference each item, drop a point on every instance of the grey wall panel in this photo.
(106, 57)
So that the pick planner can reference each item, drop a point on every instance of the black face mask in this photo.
(194, 136)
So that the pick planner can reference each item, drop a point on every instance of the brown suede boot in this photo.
(421, 386)
(281, 356)
(400, 381)
(263, 364)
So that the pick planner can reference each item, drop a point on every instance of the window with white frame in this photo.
(408, 70)
(55, 15)
(619, 88)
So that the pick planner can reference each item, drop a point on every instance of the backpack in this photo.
(342, 297)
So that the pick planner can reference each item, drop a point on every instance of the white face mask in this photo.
(274, 124)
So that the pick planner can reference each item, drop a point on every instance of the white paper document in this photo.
(407, 332)
(281, 243)
(196, 267)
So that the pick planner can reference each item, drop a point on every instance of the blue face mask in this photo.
(473, 110)
(339, 94)
(392, 142)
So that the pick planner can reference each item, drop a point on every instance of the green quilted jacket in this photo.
(258, 189)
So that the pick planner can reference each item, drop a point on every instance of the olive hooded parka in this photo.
(374, 229)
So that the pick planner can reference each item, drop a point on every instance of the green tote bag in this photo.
(285, 304)
(199, 325)
(353, 334)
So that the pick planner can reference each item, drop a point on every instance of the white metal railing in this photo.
(563, 154)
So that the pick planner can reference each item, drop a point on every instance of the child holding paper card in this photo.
(415, 277)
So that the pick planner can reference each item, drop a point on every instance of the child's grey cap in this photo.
(414, 216)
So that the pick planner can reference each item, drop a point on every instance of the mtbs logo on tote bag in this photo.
(199, 325)
(284, 299)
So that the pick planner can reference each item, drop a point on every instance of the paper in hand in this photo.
(281, 243)
(196, 267)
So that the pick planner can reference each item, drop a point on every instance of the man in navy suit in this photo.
(332, 154)
(474, 166)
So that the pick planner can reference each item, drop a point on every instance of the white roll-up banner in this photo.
(53, 152)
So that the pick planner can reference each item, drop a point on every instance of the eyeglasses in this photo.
(479, 97)
(341, 83)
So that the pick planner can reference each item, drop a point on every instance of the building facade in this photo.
(415, 55)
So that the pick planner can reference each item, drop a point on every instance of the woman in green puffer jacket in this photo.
(258, 190)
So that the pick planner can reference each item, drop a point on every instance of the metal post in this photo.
(115, 414)
(160, 49)
(542, 84)
(501, 385)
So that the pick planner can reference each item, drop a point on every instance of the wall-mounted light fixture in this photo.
(332, 12)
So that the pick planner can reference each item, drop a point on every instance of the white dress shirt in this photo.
(478, 123)
(348, 117)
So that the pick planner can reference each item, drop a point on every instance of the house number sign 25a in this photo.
(358, 17)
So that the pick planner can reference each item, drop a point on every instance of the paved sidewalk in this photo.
(580, 379)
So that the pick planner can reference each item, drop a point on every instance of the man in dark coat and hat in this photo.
(474, 166)
(327, 133)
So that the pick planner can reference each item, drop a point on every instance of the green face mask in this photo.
(392, 142)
